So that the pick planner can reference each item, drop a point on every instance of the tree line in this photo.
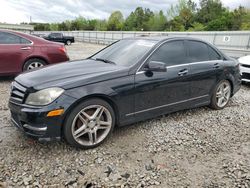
(208, 15)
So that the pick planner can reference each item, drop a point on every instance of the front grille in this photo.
(246, 76)
(17, 93)
(243, 65)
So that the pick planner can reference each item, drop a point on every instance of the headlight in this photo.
(44, 97)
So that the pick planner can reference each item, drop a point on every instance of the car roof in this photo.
(163, 38)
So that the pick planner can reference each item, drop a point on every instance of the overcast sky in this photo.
(16, 11)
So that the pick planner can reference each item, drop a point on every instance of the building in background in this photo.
(19, 27)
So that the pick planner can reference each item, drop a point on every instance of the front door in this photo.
(162, 92)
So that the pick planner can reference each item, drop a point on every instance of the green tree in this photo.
(137, 20)
(157, 22)
(238, 15)
(186, 17)
(130, 22)
(101, 25)
(54, 27)
(222, 23)
(209, 11)
(175, 24)
(115, 22)
(196, 26)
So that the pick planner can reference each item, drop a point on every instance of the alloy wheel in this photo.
(91, 125)
(68, 42)
(223, 94)
(34, 65)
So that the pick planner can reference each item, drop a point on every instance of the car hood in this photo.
(71, 74)
(245, 60)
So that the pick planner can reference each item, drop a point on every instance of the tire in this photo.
(68, 42)
(83, 130)
(33, 63)
(221, 95)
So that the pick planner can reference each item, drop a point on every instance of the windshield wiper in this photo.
(105, 61)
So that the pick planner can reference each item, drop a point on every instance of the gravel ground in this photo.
(193, 148)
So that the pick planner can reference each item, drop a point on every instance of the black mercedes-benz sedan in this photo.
(129, 81)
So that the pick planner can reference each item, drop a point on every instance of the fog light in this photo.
(55, 113)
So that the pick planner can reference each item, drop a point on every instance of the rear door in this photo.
(161, 92)
(13, 52)
(205, 66)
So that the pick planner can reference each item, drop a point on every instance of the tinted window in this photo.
(126, 52)
(7, 38)
(213, 54)
(198, 51)
(171, 53)
(24, 41)
(56, 35)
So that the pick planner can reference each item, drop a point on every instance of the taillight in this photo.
(62, 49)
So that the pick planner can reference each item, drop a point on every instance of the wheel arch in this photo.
(232, 86)
(230, 79)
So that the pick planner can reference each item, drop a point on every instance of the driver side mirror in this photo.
(156, 66)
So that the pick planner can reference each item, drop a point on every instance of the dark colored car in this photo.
(20, 52)
(59, 37)
(129, 81)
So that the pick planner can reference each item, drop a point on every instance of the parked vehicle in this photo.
(59, 37)
(245, 68)
(20, 52)
(128, 81)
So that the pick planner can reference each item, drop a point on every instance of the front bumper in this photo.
(33, 121)
(245, 73)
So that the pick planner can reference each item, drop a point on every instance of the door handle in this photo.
(216, 66)
(26, 48)
(183, 72)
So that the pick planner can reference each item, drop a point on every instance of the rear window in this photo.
(198, 51)
(213, 54)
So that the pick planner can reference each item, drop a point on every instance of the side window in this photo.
(57, 35)
(213, 54)
(171, 53)
(53, 35)
(25, 41)
(198, 51)
(7, 38)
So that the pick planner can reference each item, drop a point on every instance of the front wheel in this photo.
(221, 95)
(89, 124)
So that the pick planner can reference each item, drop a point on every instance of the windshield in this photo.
(125, 52)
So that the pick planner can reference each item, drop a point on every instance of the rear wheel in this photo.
(33, 64)
(68, 42)
(89, 124)
(221, 95)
